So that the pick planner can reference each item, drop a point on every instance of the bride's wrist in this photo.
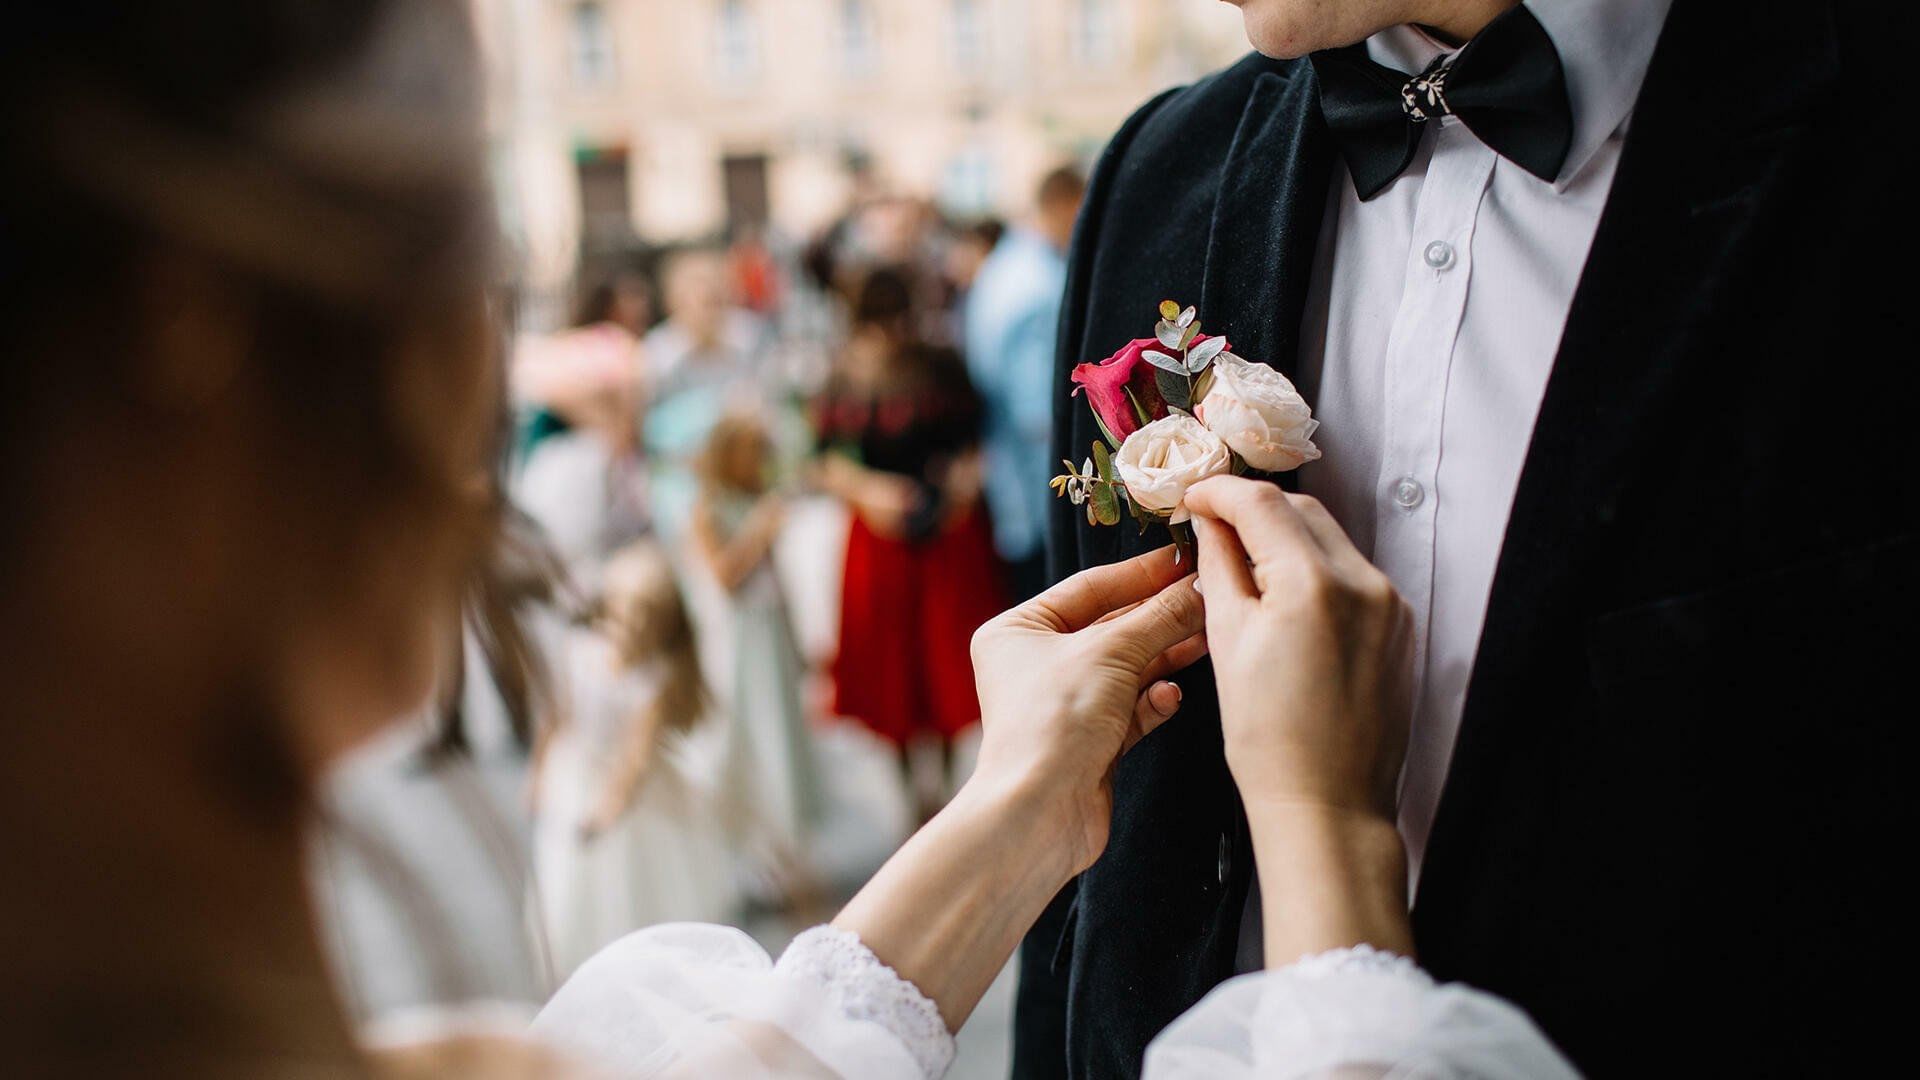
(1345, 882)
(1298, 817)
(1032, 814)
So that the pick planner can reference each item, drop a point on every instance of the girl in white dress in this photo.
(625, 835)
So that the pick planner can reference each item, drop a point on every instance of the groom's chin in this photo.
(1287, 29)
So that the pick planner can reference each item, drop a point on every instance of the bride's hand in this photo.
(1067, 682)
(1071, 679)
(1313, 660)
(1311, 650)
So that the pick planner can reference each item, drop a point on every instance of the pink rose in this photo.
(1107, 383)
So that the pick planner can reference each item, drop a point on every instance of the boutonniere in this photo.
(1174, 409)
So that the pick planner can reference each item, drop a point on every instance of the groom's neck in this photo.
(1455, 22)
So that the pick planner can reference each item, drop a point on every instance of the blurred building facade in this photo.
(670, 120)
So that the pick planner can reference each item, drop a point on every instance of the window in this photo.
(967, 184)
(591, 43)
(967, 33)
(1096, 33)
(859, 39)
(737, 53)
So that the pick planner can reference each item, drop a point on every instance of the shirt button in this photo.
(1407, 493)
(1439, 255)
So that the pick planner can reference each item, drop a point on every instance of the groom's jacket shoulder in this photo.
(1155, 185)
(1165, 161)
(1142, 237)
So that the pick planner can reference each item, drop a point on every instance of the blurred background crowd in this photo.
(785, 281)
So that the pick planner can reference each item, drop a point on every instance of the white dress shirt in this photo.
(1435, 316)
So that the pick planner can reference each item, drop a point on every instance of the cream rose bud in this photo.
(1159, 462)
(1259, 414)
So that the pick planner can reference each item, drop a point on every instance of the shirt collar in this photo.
(1604, 46)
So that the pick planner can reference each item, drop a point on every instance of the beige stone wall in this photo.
(1030, 98)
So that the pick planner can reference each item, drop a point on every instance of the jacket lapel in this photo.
(1266, 220)
(1710, 155)
(1266, 223)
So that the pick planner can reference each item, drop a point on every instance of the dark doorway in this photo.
(605, 201)
(744, 179)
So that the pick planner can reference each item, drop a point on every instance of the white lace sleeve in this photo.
(694, 1000)
(865, 989)
(1352, 1013)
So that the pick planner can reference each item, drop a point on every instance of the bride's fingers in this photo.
(1225, 578)
(1082, 599)
(1155, 706)
(1179, 658)
(1331, 537)
(1168, 618)
(1117, 612)
(1269, 528)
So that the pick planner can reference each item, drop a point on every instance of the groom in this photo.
(1608, 322)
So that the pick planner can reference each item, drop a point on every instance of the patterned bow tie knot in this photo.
(1506, 86)
(1425, 95)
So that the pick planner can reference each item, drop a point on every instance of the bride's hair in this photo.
(275, 208)
(270, 215)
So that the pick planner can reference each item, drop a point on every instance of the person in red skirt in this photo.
(899, 428)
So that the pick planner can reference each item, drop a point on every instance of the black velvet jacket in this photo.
(1675, 812)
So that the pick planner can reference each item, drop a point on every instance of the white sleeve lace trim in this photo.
(1358, 958)
(863, 988)
(1359, 1012)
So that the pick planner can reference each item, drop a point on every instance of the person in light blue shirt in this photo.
(1012, 312)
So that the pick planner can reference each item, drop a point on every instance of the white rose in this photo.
(1159, 462)
(1259, 414)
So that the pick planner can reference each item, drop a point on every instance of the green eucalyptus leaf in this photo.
(1163, 361)
(1173, 389)
(1202, 354)
(1104, 505)
(1103, 464)
(1201, 385)
(1105, 433)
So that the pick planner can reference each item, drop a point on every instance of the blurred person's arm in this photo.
(965, 479)
(732, 560)
(883, 500)
(630, 767)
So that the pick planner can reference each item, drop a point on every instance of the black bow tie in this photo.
(1506, 86)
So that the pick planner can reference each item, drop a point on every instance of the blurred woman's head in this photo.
(624, 298)
(697, 293)
(738, 455)
(249, 398)
(882, 300)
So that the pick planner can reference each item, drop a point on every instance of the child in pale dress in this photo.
(769, 785)
(625, 834)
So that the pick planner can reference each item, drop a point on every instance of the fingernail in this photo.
(1170, 709)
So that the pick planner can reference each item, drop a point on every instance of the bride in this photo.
(246, 421)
